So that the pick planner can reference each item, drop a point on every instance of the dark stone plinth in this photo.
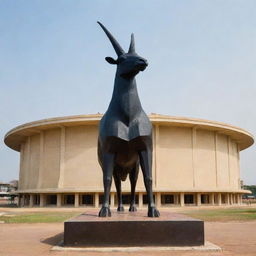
(133, 230)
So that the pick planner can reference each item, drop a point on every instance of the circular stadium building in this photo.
(195, 162)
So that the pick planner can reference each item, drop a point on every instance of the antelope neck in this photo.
(125, 98)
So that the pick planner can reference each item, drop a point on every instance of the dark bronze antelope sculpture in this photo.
(125, 132)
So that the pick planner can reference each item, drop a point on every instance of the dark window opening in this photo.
(223, 198)
(101, 197)
(36, 200)
(145, 199)
(189, 199)
(87, 199)
(69, 199)
(215, 198)
(205, 199)
(126, 199)
(167, 199)
(51, 199)
(26, 199)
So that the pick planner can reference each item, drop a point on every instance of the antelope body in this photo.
(125, 132)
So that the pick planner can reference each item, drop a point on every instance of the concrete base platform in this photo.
(133, 230)
(207, 247)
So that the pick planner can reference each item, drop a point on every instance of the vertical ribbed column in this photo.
(231, 201)
(42, 200)
(62, 156)
(76, 200)
(59, 200)
(227, 199)
(140, 200)
(182, 199)
(193, 142)
(21, 173)
(238, 167)
(216, 157)
(158, 200)
(198, 199)
(112, 199)
(229, 174)
(237, 199)
(22, 201)
(156, 152)
(19, 200)
(219, 199)
(31, 200)
(240, 199)
(28, 167)
(41, 167)
(96, 200)
(176, 199)
(234, 198)
(212, 199)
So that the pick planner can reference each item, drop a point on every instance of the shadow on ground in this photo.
(53, 240)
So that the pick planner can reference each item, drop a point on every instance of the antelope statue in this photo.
(125, 132)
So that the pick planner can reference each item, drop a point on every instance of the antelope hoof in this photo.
(132, 208)
(153, 212)
(120, 208)
(105, 212)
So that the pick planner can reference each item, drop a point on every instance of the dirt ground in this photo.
(235, 238)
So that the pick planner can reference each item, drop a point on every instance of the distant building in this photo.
(4, 189)
(7, 192)
(195, 162)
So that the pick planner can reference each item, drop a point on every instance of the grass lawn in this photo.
(39, 217)
(226, 214)
(229, 214)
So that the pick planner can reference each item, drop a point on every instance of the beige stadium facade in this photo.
(195, 162)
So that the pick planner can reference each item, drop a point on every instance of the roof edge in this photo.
(13, 135)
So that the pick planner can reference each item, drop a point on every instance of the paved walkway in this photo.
(236, 238)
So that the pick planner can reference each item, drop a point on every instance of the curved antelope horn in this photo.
(132, 45)
(116, 45)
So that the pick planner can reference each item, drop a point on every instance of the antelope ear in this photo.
(110, 60)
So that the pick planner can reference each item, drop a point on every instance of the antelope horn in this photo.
(116, 45)
(132, 45)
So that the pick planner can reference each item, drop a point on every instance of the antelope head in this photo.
(128, 64)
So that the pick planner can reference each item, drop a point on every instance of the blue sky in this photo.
(202, 59)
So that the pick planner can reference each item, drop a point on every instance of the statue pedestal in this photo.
(133, 230)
